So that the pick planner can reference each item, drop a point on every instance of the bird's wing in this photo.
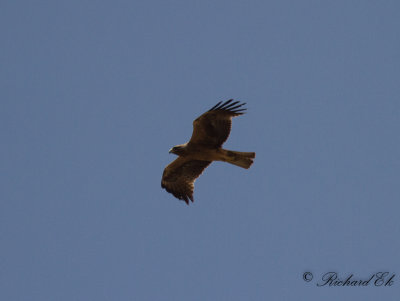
(213, 127)
(179, 176)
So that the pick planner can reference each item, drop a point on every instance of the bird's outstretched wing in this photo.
(213, 127)
(179, 176)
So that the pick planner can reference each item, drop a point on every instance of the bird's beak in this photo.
(170, 151)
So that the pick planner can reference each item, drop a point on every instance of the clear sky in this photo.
(93, 95)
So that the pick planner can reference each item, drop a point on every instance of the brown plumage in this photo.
(210, 131)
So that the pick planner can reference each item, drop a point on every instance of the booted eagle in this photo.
(210, 131)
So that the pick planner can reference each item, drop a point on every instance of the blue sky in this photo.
(94, 94)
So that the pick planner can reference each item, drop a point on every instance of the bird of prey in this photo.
(210, 131)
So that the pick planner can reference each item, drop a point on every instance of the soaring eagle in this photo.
(210, 131)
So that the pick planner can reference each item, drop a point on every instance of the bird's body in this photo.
(210, 131)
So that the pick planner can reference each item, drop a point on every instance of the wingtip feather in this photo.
(214, 107)
(229, 106)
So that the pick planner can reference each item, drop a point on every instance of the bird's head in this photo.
(178, 150)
